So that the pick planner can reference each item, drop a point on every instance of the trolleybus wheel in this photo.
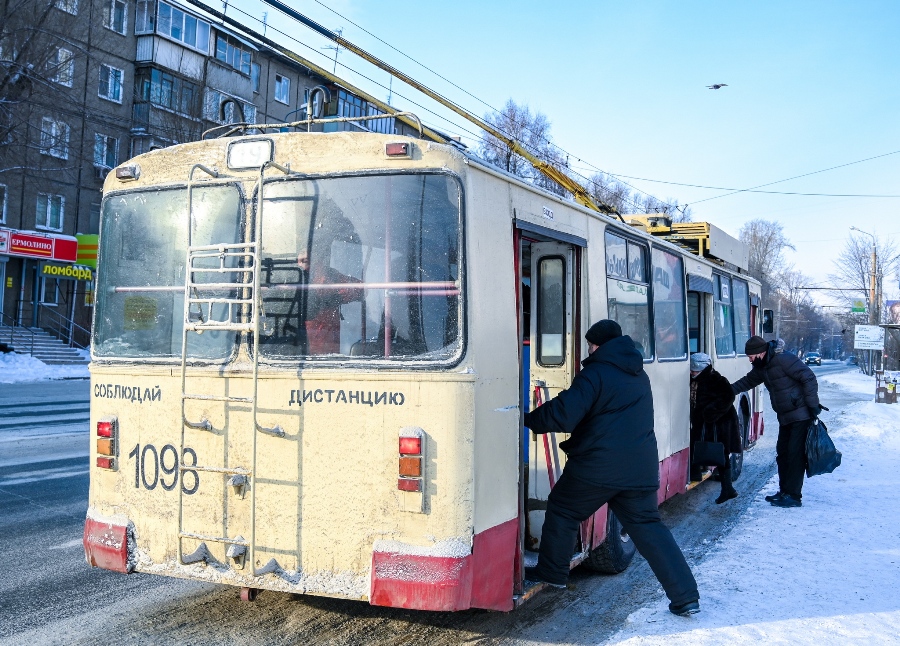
(249, 594)
(615, 552)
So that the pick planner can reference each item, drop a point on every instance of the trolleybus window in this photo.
(723, 315)
(695, 320)
(741, 298)
(551, 312)
(143, 244)
(628, 294)
(365, 267)
(668, 305)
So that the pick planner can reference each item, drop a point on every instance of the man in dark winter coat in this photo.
(713, 418)
(611, 458)
(794, 392)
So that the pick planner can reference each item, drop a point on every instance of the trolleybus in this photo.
(312, 353)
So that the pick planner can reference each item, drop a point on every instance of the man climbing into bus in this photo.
(611, 458)
(794, 392)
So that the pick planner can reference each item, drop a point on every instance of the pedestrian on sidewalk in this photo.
(794, 392)
(713, 416)
(611, 458)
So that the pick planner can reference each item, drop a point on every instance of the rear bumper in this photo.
(435, 581)
(109, 543)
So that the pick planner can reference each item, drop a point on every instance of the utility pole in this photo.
(873, 314)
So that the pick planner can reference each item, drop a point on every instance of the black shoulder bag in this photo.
(709, 454)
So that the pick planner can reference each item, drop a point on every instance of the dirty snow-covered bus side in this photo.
(312, 353)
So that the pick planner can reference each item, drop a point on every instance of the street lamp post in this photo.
(873, 320)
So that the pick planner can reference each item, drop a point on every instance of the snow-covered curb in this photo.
(17, 368)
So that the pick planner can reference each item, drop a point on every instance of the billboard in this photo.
(868, 337)
(893, 311)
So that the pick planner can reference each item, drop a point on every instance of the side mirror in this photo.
(768, 321)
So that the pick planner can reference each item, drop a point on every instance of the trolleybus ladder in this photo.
(239, 298)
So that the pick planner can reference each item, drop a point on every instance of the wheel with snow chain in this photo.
(249, 594)
(615, 553)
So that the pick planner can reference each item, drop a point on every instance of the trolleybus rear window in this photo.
(143, 244)
(365, 267)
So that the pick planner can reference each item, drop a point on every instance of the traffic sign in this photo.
(858, 305)
(868, 337)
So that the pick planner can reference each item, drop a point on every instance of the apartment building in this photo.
(86, 84)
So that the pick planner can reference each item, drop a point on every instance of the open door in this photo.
(552, 341)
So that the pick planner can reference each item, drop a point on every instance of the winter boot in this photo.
(728, 491)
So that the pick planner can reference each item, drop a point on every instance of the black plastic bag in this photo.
(821, 455)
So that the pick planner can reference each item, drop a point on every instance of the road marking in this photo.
(75, 542)
(45, 474)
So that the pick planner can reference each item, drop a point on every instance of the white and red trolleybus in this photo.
(312, 354)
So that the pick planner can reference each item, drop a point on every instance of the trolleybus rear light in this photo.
(128, 173)
(410, 446)
(106, 463)
(409, 484)
(411, 467)
(106, 427)
(398, 149)
(105, 446)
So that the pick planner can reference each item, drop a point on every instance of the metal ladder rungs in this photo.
(237, 471)
(219, 398)
(214, 539)
(217, 286)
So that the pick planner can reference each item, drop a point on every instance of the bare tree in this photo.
(853, 269)
(518, 123)
(607, 190)
(767, 244)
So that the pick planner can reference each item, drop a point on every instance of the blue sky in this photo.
(811, 85)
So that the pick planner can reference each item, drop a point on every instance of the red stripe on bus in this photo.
(482, 579)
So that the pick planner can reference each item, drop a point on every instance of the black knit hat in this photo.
(603, 331)
(755, 345)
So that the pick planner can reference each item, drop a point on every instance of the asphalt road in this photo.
(48, 595)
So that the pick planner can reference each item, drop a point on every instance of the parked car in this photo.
(851, 361)
(813, 357)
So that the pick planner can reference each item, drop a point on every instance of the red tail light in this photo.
(410, 446)
(399, 149)
(409, 484)
(105, 428)
(107, 443)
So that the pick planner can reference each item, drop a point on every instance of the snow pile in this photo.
(850, 382)
(825, 574)
(15, 368)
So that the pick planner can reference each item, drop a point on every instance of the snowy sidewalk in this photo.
(18, 368)
(827, 573)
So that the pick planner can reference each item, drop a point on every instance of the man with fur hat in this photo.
(794, 392)
(611, 458)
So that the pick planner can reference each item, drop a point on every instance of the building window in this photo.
(54, 138)
(167, 91)
(144, 17)
(106, 151)
(183, 27)
(118, 16)
(223, 108)
(282, 89)
(69, 6)
(49, 213)
(94, 220)
(111, 83)
(2, 203)
(63, 67)
(49, 291)
(254, 76)
(233, 53)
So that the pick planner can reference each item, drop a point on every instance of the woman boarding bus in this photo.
(312, 354)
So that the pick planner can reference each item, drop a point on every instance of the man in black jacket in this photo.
(611, 458)
(794, 392)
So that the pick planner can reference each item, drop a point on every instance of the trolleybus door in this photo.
(552, 350)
